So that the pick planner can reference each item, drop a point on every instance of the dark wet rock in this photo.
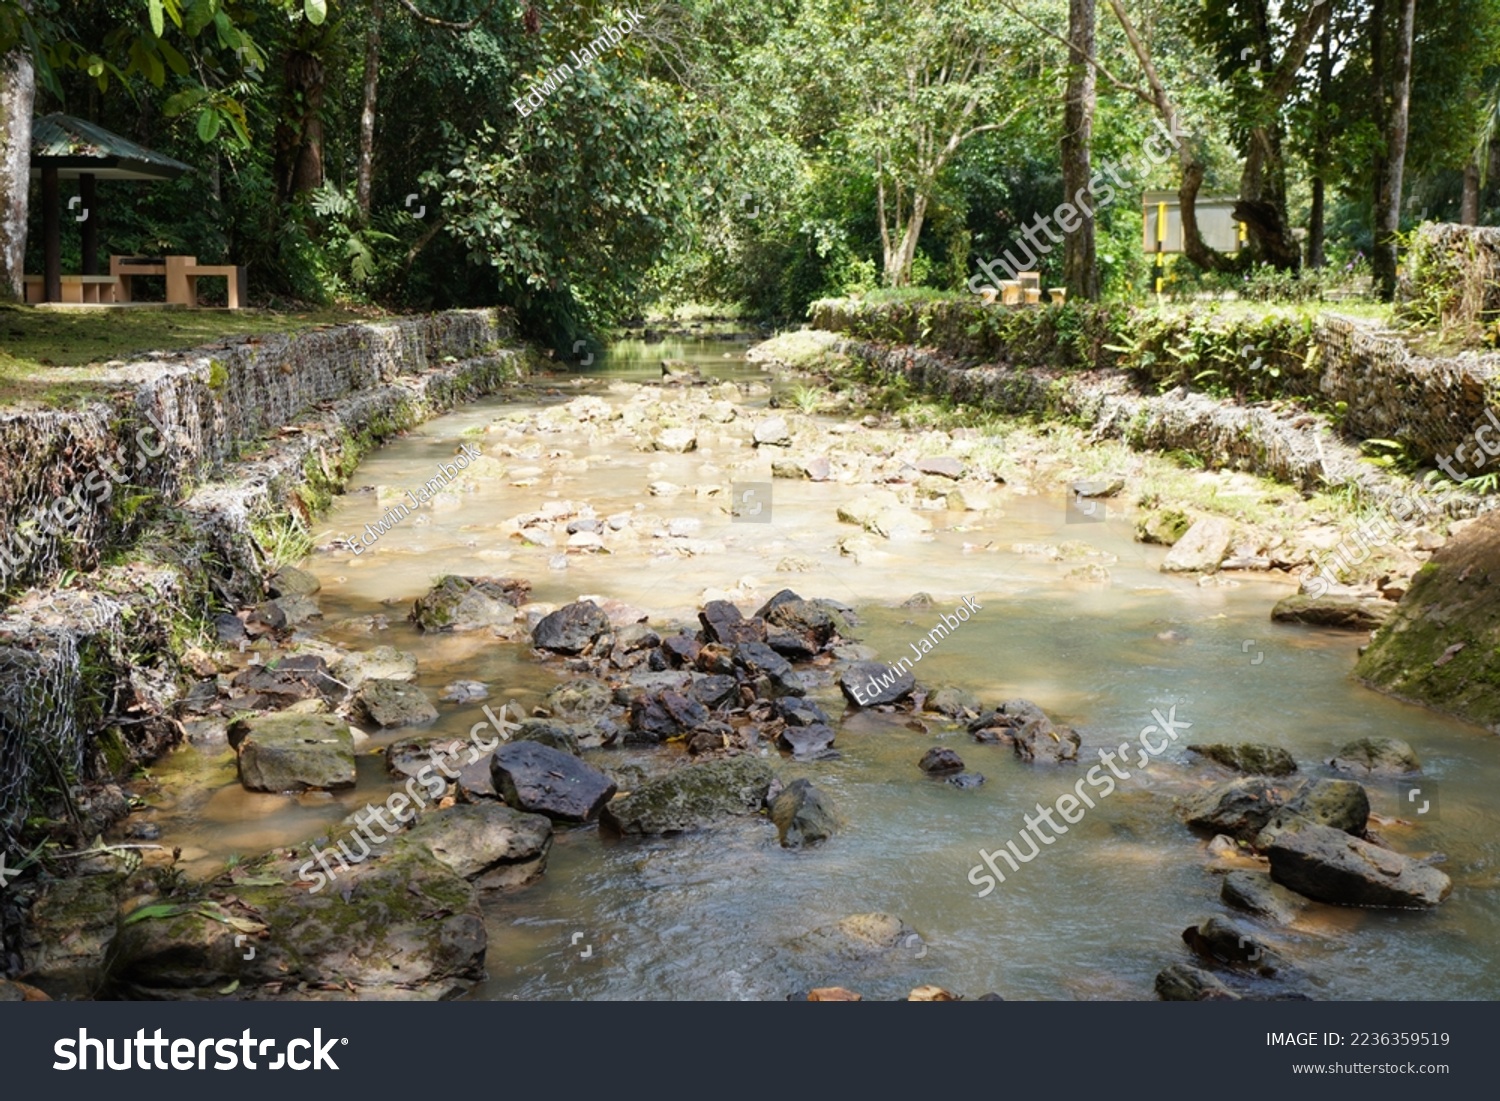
(796, 711)
(1005, 720)
(715, 691)
(757, 660)
(229, 629)
(571, 629)
(469, 603)
(657, 716)
(475, 784)
(1201, 548)
(393, 703)
(1040, 742)
(579, 701)
(407, 757)
(940, 761)
(723, 623)
(810, 619)
(691, 797)
(1097, 487)
(1180, 982)
(715, 737)
(942, 466)
(791, 645)
(681, 650)
(548, 732)
(398, 926)
(1349, 613)
(716, 659)
(488, 844)
(803, 815)
(871, 683)
(1224, 941)
(290, 581)
(1252, 758)
(1342, 804)
(1377, 757)
(290, 752)
(955, 703)
(1257, 893)
(966, 780)
(533, 777)
(1328, 865)
(806, 741)
(287, 612)
(1239, 808)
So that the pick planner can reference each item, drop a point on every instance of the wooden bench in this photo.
(92, 289)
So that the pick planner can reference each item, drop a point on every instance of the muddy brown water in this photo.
(723, 913)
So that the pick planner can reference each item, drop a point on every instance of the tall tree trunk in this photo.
(1080, 260)
(299, 131)
(1468, 211)
(1317, 216)
(17, 99)
(365, 171)
(1388, 201)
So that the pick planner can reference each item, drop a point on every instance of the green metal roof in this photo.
(79, 148)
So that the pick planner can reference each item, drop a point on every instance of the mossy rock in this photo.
(1442, 646)
(691, 797)
(1163, 527)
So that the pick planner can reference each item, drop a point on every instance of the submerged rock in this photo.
(691, 797)
(803, 815)
(533, 777)
(1257, 893)
(288, 752)
(1180, 982)
(1329, 865)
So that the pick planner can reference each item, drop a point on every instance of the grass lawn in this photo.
(55, 358)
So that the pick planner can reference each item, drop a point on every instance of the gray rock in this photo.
(579, 700)
(1179, 982)
(691, 797)
(290, 581)
(407, 757)
(871, 683)
(940, 761)
(469, 603)
(570, 629)
(1252, 758)
(806, 741)
(1239, 808)
(1097, 487)
(1257, 893)
(942, 466)
(803, 815)
(1349, 613)
(1377, 757)
(1329, 865)
(488, 844)
(287, 612)
(534, 777)
(772, 431)
(955, 703)
(966, 780)
(1040, 742)
(1201, 548)
(1342, 804)
(288, 752)
(383, 662)
(393, 703)
(1223, 941)
(676, 440)
(549, 732)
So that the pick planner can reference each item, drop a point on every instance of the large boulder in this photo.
(1252, 758)
(1342, 804)
(293, 752)
(533, 777)
(488, 844)
(1376, 757)
(469, 603)
(1442, 647)
(803, 815)
(1239, 808)
(691, 797)
(1201, 548)
(1328, 865)
(571, 629)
